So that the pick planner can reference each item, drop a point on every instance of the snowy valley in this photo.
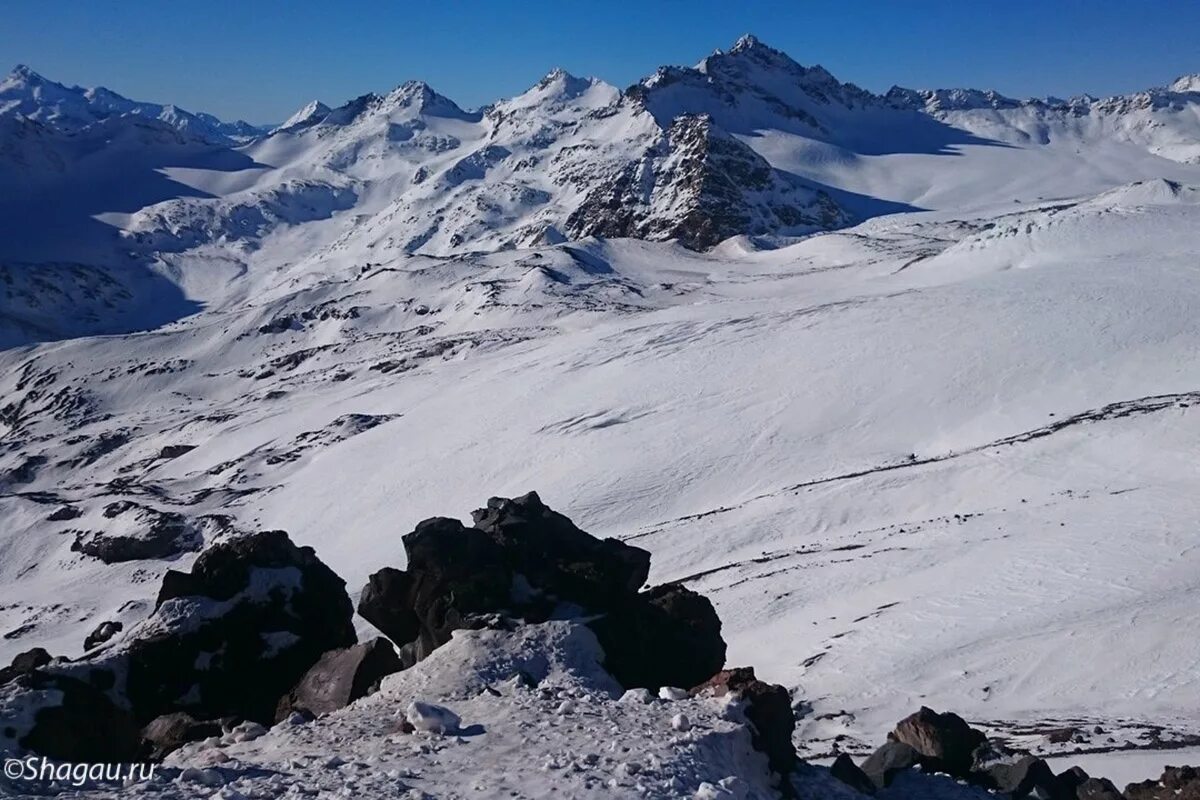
(905, 384)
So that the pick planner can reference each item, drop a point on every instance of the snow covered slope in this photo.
(939, 456)
(934, 458)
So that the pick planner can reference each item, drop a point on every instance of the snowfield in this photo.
(944, 456)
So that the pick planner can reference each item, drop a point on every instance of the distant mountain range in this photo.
(747, 142)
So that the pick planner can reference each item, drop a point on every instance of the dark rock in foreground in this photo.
(846, 771)
(1176, 783)
(1098, 789)
(165, 734)
(227, 639)
(665, 636)
(883, 765)
(24, 663)
(340, 677)
(1019, 776)
(769, 709)
(521, 559)
(71, 720)
(945, 741)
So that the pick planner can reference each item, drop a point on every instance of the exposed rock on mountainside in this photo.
(701, 186)
(1176, 783)
(945, 741)
(769, 709)
(523, 560)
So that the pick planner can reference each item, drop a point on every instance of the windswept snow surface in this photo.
(932, 459)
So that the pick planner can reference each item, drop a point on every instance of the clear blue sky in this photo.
(261, 60)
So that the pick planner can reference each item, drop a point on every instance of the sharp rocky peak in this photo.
(25, 73)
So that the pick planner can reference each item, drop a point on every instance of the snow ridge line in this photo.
(1116, 410)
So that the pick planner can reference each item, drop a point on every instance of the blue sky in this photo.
(261, 60)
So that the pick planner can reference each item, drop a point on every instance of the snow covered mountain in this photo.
(747, 142)
(905, 383)
(70, 108)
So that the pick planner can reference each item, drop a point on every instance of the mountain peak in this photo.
(558, 75)
(1187, 84)
(309, 115)
(23, 73)
(747, 42)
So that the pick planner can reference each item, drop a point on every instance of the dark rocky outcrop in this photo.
(25, 662)
(523, 560)
(227, 639)
(64, 513)
(699, 185)
(846, 771)
(1098, 789)
(555, 556)
(175, 451)
(1019, 776)
(1067, 782)
(665, 636)
(71, 721)
(103, 632)
(454, 573)
(883, 765)
(166, 734)
(945, 742)
(340, 677)
(768, 707)
(146, 533)
(1176, 783)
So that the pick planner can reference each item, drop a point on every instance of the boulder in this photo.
(166, 734)
(1067, 782)
(945, 741)
(1176, 783)
(665, 636)
(229, 638)
(522, 560)
(454, 573)
(883, 765)
(1097, 789)
(103, 632)
(846, 771)
(1019, 777)
(24, 663)
(558, 558)
(387, 603)
(64, 718)
(768, 707)
(340, 677)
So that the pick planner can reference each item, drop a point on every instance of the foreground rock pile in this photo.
(542, 637)
(260, 631)
(944, 743)
(521, 560)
